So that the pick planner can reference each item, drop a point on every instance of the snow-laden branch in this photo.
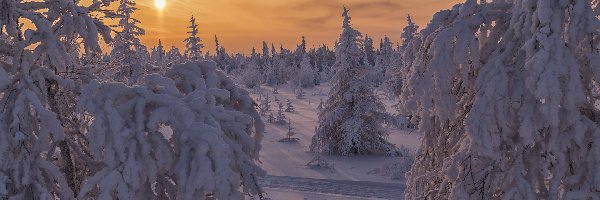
(186, 136)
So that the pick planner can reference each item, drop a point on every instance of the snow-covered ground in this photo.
(332, 188)
(289, 159)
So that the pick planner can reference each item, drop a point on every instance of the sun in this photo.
(160, 4)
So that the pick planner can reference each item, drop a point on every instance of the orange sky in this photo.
(243, 24)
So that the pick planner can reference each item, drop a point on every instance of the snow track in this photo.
(362, 189)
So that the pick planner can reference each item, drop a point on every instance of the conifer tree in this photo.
(300, 50)
(369, 50)
(271, 118)
(265, 105)
(127, 48)
(349, 124)
(217, 47)
(158, 56)
(289, 135)
(221, 57)
(251, 76)
(174, 56)
(401, 59)
(273, 51)
(408, 32)
(299, 93)
(305, 77)
(274, 74)
(265, 54)
(281, 119)
(193, 43)
(290, 106)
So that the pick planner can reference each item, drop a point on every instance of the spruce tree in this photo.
(158, 56)
(305, 77)
(408, 32)
(349, 124)
(369, 50)
(193, 43)
(127, 50)
(280, 113)
(265, 54)
(290, 107)
(174, 56)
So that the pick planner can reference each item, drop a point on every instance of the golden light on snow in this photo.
(160, 4)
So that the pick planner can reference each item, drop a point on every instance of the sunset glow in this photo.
(242, 24)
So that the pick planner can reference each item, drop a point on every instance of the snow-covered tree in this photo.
(289, 106)
(265, 105)
(193, 43)
(350, 122)
(274, 73)
(369, 50)
(217, 46)
(127, 49)
(39, 84)
(289, 134)
(389, 63)
(254, 56)
(222, 58)
(299, 93)
(401, 59)
(281, 119)
(305, 78)
(249, 74)
(176, 137)
(273, 51)
(183, 136)
(325, 59)
(300, 52)
(376, 74)
(504, 91)
(158, 55)
(408, 32)
(265, 55)
(174, 56)
(271, 118)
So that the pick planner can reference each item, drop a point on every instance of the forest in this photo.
(491, 99)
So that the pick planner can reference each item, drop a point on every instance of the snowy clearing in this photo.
(285, 163)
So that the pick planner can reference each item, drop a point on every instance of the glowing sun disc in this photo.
(160, 4)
